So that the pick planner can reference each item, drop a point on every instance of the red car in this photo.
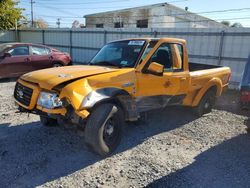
(19, 58)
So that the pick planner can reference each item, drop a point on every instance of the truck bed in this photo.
(198, 66)
(201, 73)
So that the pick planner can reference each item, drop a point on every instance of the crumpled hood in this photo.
(49, 78)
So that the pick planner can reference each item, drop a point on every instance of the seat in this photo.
(130, 55)
(163, 58)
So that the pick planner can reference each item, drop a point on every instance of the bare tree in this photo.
(40, 23)
(76, 24)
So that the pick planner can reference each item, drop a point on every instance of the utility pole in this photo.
(31, 9)
(58, 22)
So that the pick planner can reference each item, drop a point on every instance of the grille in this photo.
(23, 94)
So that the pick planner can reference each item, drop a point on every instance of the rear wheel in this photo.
(48, 122)
(57, 65)
(103, 130)
(206, 103)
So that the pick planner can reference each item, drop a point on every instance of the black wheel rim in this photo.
(208, 104)
(111, 132)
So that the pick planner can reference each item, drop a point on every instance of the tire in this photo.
(48, 122)
(206, 104)
(103, 131)
(57, 65)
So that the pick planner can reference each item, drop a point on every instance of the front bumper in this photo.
(26, 95)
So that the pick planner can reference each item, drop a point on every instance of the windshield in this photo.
(120, 54)
(4, 46)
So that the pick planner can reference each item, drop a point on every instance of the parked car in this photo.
(245, 87)
(19, 58)
(125, 79)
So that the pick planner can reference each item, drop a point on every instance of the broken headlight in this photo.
(49, 100)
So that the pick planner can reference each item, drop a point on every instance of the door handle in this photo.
(27, 59)
(183, 79)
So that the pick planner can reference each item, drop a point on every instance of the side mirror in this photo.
(156, 69)
(6, 54)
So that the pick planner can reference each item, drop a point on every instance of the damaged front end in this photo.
(30, 98)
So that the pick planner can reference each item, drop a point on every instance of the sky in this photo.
(68, 11)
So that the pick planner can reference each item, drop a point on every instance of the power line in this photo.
(92, 2)
(176, 14)
(206, 12)
(190, 21)
(108, 7)
(186, 13)
(55, 2)
(195, 21)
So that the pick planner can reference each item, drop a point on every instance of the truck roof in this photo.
(155, 39)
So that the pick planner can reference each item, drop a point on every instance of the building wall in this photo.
(158, 17)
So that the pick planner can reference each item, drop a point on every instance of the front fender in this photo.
(213, 82)
(101, 94)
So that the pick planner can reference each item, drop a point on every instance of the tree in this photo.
(236, 24)
(40, 23)
(227, 23)
(9, 14)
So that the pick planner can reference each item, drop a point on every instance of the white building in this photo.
(151, 16)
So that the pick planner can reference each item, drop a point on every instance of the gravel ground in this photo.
(173, 149)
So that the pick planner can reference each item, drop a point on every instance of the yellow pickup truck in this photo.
(125, 79)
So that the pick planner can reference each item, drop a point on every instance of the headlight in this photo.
(49, 100)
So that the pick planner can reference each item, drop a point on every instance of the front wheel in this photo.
(206, 103)
(103, 130)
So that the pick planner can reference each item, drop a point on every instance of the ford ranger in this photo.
(125, 79)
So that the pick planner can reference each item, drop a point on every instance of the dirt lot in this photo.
(173, 149)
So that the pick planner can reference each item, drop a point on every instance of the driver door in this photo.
(169, 88)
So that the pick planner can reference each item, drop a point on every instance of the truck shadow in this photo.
(31, 155)
(225, 165)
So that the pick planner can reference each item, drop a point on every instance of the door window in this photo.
(36, 50)
(19, 50)
(169, 55)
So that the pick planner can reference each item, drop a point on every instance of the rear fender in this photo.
(213, 82)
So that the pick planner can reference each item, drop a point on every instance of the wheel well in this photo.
(125, 102)
(113, 100)
(57, 62)
(212, 89)
(200, 94)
